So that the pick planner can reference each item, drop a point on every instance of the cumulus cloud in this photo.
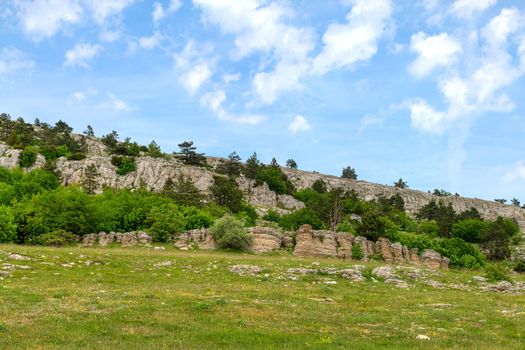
(81, 54)
(159, 12)
(12, 60)
(356, 40)
(115, 104)
(214, 102)
(369, 120)
(433, 52)
(145, 42)
(44, 18)
(193, 79)
(299, 123)
(515, 174)
(195, 63)
(468, 8)
(425, 117)
(103, 11)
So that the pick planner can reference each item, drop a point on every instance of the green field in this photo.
(138, 298)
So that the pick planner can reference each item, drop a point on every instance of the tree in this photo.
(232, 166)
(225, 192)
(230, 233)
(183, 191)
(89, 131)
(498, 236)
(441, 193)
(349, 173)
(28, 157)
(110, 140)
(7, 225)
(252, 166)
(166, 221)
(515, 202)
(189, 155)
(502, 201)
(274, 163)
(400, 184)
(443, 214)
(89, 182)
(154, 150)
(319, 186)
(290, 163)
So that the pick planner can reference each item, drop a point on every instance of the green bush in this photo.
(496, 272)
(28, 157)
(519, 267)
(357, 252)
(300, 217)
(166, 221)
(125, 165)
(428, 227)
(272, 215)
(469, 230)
(196, 218)
(7, 225)
(347, 226)
(277, 181)
(230, 233)
(58, 238)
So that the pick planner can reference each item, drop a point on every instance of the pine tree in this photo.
(290, 163)
(89, 183)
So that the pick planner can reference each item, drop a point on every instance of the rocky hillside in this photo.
(154, 172)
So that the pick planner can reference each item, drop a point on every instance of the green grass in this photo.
(122, 301)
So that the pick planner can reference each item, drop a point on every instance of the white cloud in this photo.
(468, 8)
(299, 123)
(160, 13)
(214, 102)
(433, 52)
(12, 60)
(356, 40)
(369, 120)
(81, 54)
(425, 117)
(228, 78)
(102, 11)
(115, 104)
(193, 79)
(79, 96)
(44, 18)
(515, 174)
(145, 42)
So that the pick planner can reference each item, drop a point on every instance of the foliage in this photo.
(89, 182)
(272, 215)
(247, 214)
(519, 267)
(166, 221)
(28, 157)
(300, 217)
(229, 232)
(428, 227)
(251, 169)
(470, 230)
(349, 173)
(442, 213)
(57, 238)
(348, 226)
(496, 272)
(225, 192)
(441, 193)
(154, 150)
(498, 236)
(188, 154)
(231, 166)
(277, 181)
(400, 184)
(183, 191)
(357, 252)
(292, 164)
(319, 186)
(125, 165)
(7, 225)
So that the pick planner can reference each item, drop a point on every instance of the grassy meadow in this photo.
(140, 298)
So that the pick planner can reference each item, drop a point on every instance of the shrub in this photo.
(247, 214)
(272, 215)
(226, 192)
(519, 267)
(7, 225)
(196, 218)
(347, 226)
(28, 157)
(496, 272)
(357, 253)
(125, 165)
(469, 230)
(57, 238)
(230, 233)
(166, 221)
(300, 217)
(428, 227)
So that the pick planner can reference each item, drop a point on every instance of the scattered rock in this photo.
(159, 248)
(166, 263)
(354, 274)
(245, 270)
(301, 271)
(143, 237)
(18, 257)
(479, 279)
(422, 337)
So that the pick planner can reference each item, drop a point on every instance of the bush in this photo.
(230, 233)
(125, 165)
(226, 192)
(277, 181)
(469, 262)
(519, 267)
(357, 253)
(247, 214)
(496, 272)
(166, 221)
(347, 226)
(300, 217)
(272, 215)
(196, 218)
(58, 238)
(469, 230)
(428, 227)
(28, 157)
(7, 225)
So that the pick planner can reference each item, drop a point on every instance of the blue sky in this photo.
(431, 91)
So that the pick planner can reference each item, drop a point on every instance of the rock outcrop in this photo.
(265, 239)
(126, 239)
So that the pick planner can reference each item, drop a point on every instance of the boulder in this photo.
(287, 241)
(315, 243)
(344, 245)
(384, 248)
(129, 239)
(118, 237)
(414, 256)
(431, 259)
(406, 254)
(89, 239)
(363, 243)
(397, 252)
(265, 239)
(143, 237)
(444, 263)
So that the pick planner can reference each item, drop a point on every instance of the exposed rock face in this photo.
(314, 243)
(383, 246)
(201, 237)
(414, 256)
(433, 259)
(129, 239)
(265, 239)
(126, 239)
(344, 245)
(397, 252)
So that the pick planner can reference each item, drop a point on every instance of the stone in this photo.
(344, 245)
(363, 243)
(129, 239)
(384, 272)
(480, 279)
(444, 263)
(315, 244)
(89, 239)
(287, 241)
(384, 248)
(353, 274)
(414, 256)
(406, 254)
(397, 252)
(431, 259)
(143, 237)
(118, 237)
(245, 270)
(18, 257)
(301, 271)
(422, 337)
(265, 239)
(159, 248)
